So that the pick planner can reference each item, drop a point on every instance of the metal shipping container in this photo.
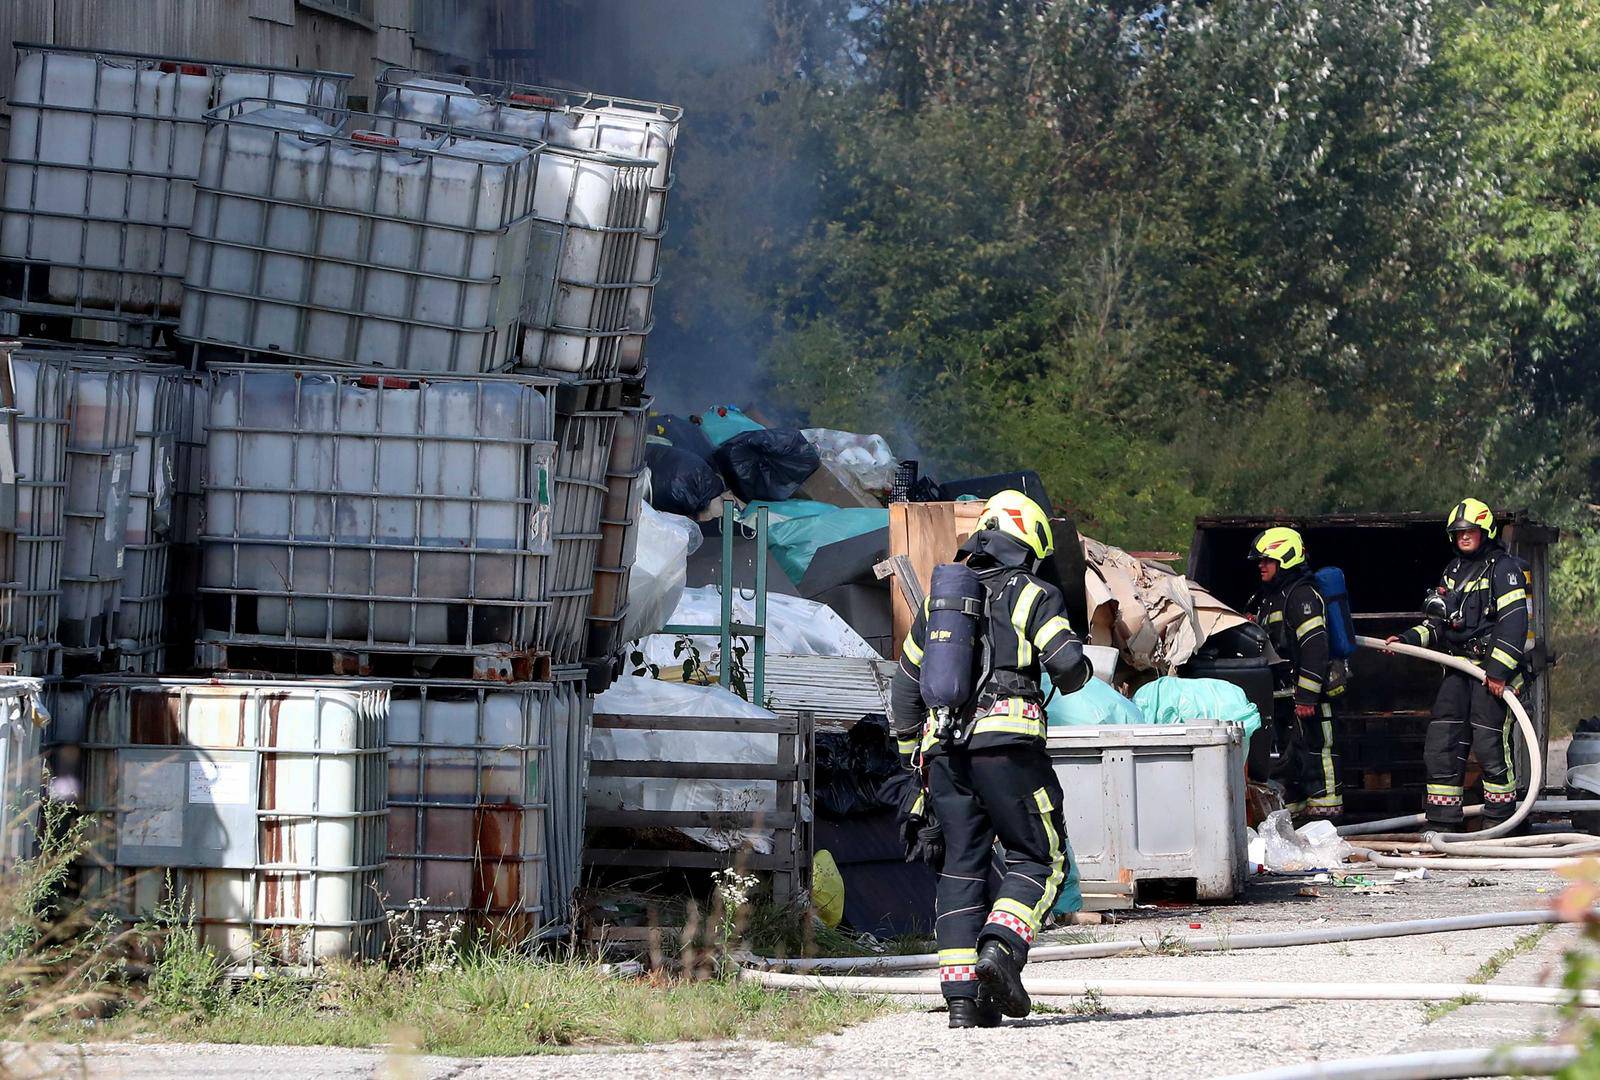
(376, 514)
(1149, 802)
(259, 806)
(1389, 561)
(339, 237)
(99, 181)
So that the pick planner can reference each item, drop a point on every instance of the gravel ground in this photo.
(1133, 1038)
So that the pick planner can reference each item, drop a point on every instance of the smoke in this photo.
(739, 201)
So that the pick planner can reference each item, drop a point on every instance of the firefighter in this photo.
(989, 777)
(1479, 611)
(1294, 615)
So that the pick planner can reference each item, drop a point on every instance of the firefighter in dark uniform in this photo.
(994, 780)
(1480, 612)
(1294, 615)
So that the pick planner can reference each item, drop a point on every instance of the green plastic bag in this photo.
(788, 510)
(1071, 896)
(1095, 703)
(723, 422)
(1171, 700)
(794, 542)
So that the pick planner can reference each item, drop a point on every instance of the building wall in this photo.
(277, 32)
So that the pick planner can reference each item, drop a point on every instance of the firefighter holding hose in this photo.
(968, 713)
(1478, 611)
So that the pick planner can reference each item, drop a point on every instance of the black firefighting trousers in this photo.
(1008, 793)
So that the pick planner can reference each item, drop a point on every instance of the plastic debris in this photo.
(1315, 846)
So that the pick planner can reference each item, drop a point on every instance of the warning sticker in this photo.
(219, 782)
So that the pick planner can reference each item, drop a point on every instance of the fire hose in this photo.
(1491, 848)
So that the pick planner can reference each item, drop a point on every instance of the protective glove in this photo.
(920, 833)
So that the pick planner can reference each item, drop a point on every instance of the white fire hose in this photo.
(1475, 851)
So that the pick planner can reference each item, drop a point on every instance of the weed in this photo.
(418, 941)
(1168, 944)
(1437, 1010)
(1091, 1004)
(185, 976)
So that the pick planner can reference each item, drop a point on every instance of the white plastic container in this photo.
(140, 624)
(36, 385)
(592, 205)
(570, 727)
(1155, 801)
(468, 784)
(368, 513)
(260, 805)
(23, 717)
(644, 130)
(583, 449)
(100, 449)
(104, 149)
(326, 236)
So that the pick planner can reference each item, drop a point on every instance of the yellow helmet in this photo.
(1471, 514)
(1019, 517)
(1281, 544)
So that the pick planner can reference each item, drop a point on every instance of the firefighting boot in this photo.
(1001, 974)
(973, 1012)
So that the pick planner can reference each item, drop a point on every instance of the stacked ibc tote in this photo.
(372, 407)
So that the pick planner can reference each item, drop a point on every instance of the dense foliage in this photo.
(1298, 255)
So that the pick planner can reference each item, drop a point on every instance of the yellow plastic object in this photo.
(827, 889)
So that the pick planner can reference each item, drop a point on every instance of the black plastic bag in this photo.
(681, 483)
(682, 432)
(767, 465)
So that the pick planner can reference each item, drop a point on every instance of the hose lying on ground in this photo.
(1209, 989)
(1429, 1065)
(1210, 943)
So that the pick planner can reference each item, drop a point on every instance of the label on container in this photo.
(219, 782)
(154, 815)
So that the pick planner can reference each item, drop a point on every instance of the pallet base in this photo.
(222, 657)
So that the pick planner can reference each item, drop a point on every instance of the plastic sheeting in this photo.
(794, 626)
(631, 696)
(865, 459)
(660, 570)
(722, 422)
(795, 542)
(1097, 703)
(1171, 700)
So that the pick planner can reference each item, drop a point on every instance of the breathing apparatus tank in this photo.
(955, 654)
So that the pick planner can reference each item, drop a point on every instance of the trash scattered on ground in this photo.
(1314, 846)
(1308, 891)
(1420, 873)
(1480, 883)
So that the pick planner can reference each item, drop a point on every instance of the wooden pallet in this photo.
(302, 659)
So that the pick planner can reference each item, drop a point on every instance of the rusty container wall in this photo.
(1389, 561)
(583, 451)
(619, 527)
(468, 786)
(260, 805)
(570, 728)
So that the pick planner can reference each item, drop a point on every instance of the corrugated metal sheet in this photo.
(837, 690)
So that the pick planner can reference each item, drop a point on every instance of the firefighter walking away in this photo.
(969, 716)
(1478, 611)
(1294, 614)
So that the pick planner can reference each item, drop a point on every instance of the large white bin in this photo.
(365, 513)
(592, 208)
(258, 805)
(330, 236)
(99, 182)
(1155, 801)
